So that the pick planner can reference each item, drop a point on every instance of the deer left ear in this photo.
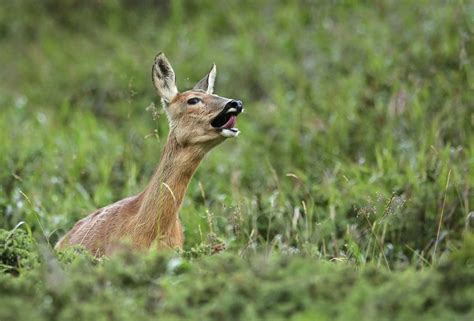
(207, 83)
(164, 78)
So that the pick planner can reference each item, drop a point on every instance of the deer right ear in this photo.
(164, 78)
(207, 83)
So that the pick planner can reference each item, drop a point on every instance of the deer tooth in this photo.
(231, 110)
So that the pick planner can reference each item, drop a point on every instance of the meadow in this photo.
(348, 194)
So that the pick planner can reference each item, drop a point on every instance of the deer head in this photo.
(196, 116)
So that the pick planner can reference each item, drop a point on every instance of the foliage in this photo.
(356, 148)
(225, 286)
(16, 251)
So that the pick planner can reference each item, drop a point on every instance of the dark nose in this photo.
(237, 104)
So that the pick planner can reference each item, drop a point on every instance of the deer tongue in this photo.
(230, 123)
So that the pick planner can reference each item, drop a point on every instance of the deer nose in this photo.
(237, 104)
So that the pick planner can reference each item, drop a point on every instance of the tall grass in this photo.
(356, 115)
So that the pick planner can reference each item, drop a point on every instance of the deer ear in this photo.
(207, 83)
(164, 78)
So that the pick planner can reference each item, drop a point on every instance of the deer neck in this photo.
(164, 195)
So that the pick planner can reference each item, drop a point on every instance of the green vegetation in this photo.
(348, 195)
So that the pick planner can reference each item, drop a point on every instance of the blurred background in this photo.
(356, 144)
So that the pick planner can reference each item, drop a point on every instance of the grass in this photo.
(353, 170)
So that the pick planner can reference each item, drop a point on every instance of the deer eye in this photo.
(193, 101)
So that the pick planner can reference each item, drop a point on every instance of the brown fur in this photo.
(153, 215)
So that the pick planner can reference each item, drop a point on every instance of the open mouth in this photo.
(225, 122)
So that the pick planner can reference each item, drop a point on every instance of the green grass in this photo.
(353, 168)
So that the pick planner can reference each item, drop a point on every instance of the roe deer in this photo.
(198, 121)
